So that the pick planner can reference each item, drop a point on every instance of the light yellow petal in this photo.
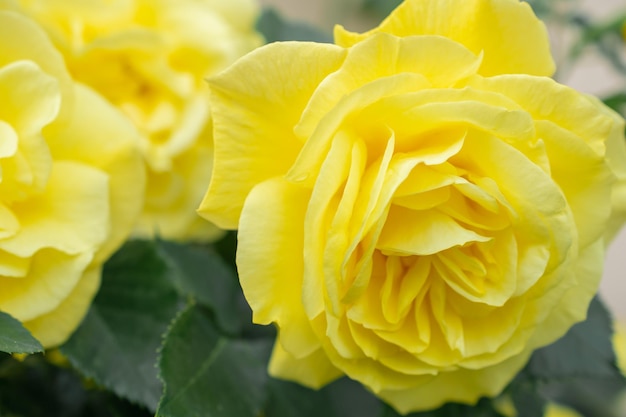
(30, 98)
(586, 274)
(271, 223)
(253, 121)
(14, 266)
(409, 232)
(170, 194)
(8, 145)
(440, 61)
(313, 371)
(507, 32)
(23, 39)
(372, 373)
(545, 99)
(315, 148)
(9, 223)
(51, 277)
(574, 132)
(72, 215)
(54, 328)
(616, 159)
(465, 386)
(99, 136)
(320, 278)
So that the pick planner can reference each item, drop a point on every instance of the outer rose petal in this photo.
(30, 100)
(588, 272)
(616, 158)
(112, 147)
(459, 386)
(72, 215)
(440, 61)
(520, 46)
(274, 214)
(54, 328)
(51, 277)
(190, 171)
(253, 121)
(20, 109)
(22, 39)
(314, 370)
(574, 130)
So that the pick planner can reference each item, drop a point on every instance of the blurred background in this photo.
(588, 42)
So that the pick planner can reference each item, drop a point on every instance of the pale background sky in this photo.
(590, 75)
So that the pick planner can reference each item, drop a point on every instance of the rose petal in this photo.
(55, 327)
(521, 45)
(253, 121)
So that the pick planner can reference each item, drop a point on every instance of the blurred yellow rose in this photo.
(419, 207)
(72, 183)
(150, 58)
(557, 410)
(505, 406)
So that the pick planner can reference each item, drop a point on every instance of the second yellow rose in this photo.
(150, 58)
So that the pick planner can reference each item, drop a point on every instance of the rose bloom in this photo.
(150, 58)
(419, 207)
(71, 188)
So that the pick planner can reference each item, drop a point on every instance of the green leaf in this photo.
(34, 387)
(351, 399)
(201, 274)
(381, 7)
(527, 398)
(274, 28)
(117, 343)
(209, 375)
(226, 247)
(578, 370)
(596, 397)
(585, 351)
(288, 399)
(14, 338)
(617, 102)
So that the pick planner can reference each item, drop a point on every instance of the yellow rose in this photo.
(150, 58)
(557, 410)
(505, 406)
(419, 207)
(72, 183)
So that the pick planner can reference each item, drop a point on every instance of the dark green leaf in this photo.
(274, 28)
(351, 399)
(117, 343)
(226, 247)
(527, 398)
(342, 398)
(578, 370)
(592, 397)
(288, 399)
(382, 8)
(36, 388)
(14, 338)
(201, 274)
(617, 102)
(206, 374)
(585, 351)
